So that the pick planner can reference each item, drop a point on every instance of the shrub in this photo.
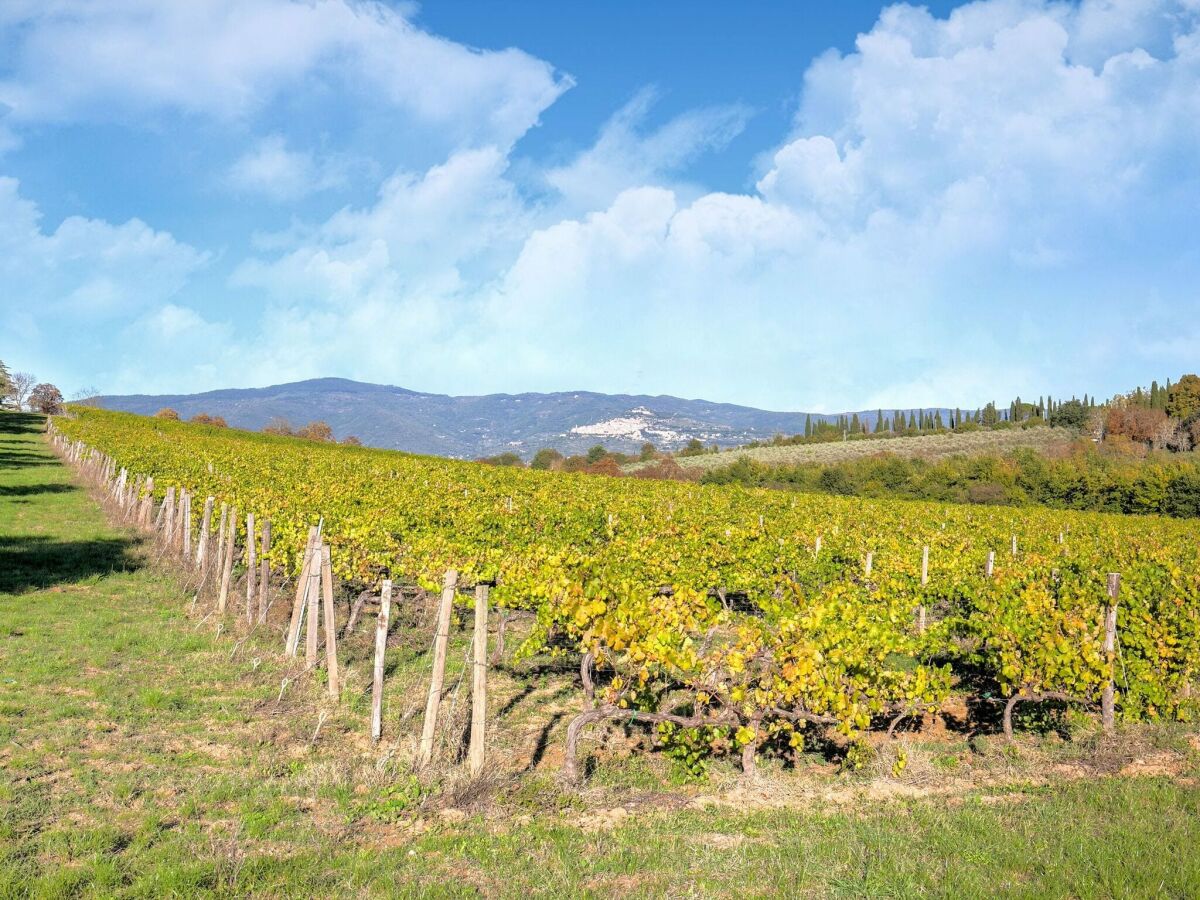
(503, 459)
(546, 458)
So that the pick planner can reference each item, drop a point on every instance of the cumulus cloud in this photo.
(87, 269)
(1053, 110)
(1006, 183)
(76, 60)
(947, 179)
(65, 289)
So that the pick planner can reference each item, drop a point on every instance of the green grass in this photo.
(139, 756)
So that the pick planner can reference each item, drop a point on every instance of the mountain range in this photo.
(400, 419)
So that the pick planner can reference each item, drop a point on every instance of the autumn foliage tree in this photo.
(167, 413)
(46, 398)
(1138, 423)
(206, 419)
(316, 431)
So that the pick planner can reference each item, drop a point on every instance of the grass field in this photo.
(931, 447)
(144, 754)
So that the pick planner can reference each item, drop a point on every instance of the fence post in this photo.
(1107, 699)
(168, 517)
(441, 638)
(264, 575)
(181, 524)
(312, 638)
(331, 656)
(147, 504)
(381, 632)
(251, 566)
(293, 635)
(187, 526)
(227, 561)
(220, 567)
(476, 751)
(205, 528)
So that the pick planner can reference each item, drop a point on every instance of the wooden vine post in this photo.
(251, 567)
(1107, 698)
(381, 633)
(293, 634)
(205, 528)
(478, 746)
(147, 504)
(264, 575)
(227, 562)
(440, 640)
(221, 538)
(168, 512)
(991, 563)
(185, 523)
(331, 656)
(313, 591)
(870, 564)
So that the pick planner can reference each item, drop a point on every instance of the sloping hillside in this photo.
(931, 446)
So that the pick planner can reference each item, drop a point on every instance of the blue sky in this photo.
(789, 205)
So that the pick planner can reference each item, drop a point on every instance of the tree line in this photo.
(313, 431)
(22, 391)
(1087, 478)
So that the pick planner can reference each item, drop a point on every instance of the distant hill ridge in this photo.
(570, 421)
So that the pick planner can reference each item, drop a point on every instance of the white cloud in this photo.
(77, 60)
(432, 231)
(996, 94)
(626, 154)
(271, 169)
(902, 233)
(68, 293)
(1006, 184)
(87, 269)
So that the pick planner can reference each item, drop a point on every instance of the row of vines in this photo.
(741, 616)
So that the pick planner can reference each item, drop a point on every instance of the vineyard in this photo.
(737, 621)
